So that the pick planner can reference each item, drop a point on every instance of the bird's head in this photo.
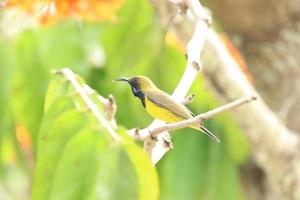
(142, 83)
(139, 84)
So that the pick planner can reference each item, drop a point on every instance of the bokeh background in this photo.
(126, 38)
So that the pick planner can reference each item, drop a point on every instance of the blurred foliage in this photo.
(196, 168)
(71, 143)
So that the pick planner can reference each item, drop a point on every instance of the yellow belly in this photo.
(164, 114)
(161, 113)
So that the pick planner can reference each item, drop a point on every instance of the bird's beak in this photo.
(122, 79)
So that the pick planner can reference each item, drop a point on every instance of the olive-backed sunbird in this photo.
(160, 105)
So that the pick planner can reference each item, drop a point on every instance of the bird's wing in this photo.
(165, 101)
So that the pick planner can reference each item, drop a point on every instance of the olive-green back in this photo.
(164, 100)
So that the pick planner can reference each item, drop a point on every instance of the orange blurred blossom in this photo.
(49, 11)
(236, 55)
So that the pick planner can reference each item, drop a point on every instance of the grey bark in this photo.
(267, 34)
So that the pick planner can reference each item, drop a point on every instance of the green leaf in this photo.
(77, 160)
(76, 173)
(56, 89)
(51, 144)
(148, 180)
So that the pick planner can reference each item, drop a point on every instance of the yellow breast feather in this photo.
(161, 113)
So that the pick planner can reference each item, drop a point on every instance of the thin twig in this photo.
(202, 117)
(109, 104)
(201, 20)
(70, 76)
(154, 132)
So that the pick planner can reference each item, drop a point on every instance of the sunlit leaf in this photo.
(133, 44)
(72, 143)
(149, 180)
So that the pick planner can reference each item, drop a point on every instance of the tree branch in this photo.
(154, 132)
(156, 147)
(202, 117)
(109, 103)
(275, 148)
(84, 92)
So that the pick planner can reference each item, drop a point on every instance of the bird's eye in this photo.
(135, 79)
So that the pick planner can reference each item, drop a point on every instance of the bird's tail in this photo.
(201, 128)
(207, 132)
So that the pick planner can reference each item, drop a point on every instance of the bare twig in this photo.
(109, 104)
(70, 76)
(202, 117)
(154, 132)
(202, 20)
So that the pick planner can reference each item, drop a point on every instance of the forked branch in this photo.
(154, 132)
(202, 117)
(84, 92)
(156, 147)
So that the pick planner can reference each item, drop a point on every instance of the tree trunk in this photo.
(267, 33)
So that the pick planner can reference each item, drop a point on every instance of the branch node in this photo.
(207, 20)
(168, 144)
(153, 137)
(182, 7)
(111, 99)
(196, 66)
(111, 107)
(189, 99)
(254, 97)
(201, 119)
(136, 133)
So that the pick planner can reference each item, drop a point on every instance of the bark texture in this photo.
(268, 35)
(275, 147)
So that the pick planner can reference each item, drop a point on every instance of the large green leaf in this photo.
(133, 45)
(76, 159)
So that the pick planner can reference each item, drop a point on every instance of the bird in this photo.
(160, 105)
